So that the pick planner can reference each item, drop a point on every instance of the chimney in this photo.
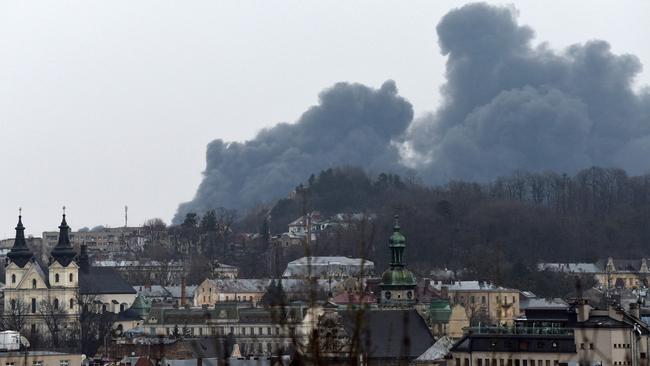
(583, 309)
(83, 260)
(182, 303)
(635, 310)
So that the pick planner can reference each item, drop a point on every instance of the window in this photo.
(71, 303)
(64, 363)
(13, 278)
(33, 305)
(71, 277)
(55, 303)
(34, 283)
(37, 363)
(243, 331)
(13, 304)
(56, 278)
(268, 330)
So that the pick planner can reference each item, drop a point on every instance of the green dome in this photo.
(141, 306)
(397, 277)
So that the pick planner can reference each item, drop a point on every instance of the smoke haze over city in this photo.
(85, 89)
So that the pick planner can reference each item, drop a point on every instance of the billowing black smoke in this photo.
(507, 105)
(352, 125)
(510, 106)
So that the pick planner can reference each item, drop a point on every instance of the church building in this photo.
(34, 289)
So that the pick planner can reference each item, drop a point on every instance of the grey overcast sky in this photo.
(111, 103)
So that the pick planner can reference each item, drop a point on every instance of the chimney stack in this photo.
(635, 310)
(583, 309)
(182, 303)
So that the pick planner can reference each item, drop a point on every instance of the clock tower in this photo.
(397, 282)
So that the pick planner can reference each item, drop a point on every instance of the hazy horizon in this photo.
(111, 104)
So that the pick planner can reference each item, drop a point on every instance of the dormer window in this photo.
(34, 283)
(71, 278)
(13, 278)
(56, 278)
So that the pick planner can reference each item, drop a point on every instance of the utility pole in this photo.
(126, 216)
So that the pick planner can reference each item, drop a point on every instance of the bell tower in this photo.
(397, 282)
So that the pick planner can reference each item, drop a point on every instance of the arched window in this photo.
(34, 283)
(122, 307)
(71, 277)
(13, 278)
(55, 303)
(13, 304)
(104, 308)
(56, 277)
(71, 303)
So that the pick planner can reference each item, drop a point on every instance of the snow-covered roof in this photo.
(437, 351)
(542, 303)
(570, 267)
(475, 286)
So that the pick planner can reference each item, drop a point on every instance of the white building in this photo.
(329, 267)
(33, 287)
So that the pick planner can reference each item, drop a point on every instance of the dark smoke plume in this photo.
(510, 106)
(507, 105)
(352, 125)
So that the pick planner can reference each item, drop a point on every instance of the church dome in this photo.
(397, 277)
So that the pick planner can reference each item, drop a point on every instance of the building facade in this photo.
(36, 292)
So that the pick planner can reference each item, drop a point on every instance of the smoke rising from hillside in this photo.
(507, 105)
(352, 125)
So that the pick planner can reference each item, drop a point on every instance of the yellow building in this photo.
(485, 302)
(39, 358)
(212, 291)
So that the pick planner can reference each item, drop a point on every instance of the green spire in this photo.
(397, 274)
(397, 244)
